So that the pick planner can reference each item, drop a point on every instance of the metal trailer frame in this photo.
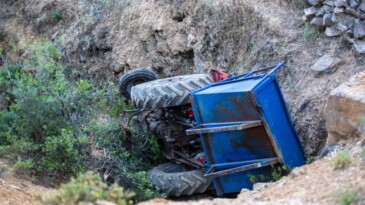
(245, 128)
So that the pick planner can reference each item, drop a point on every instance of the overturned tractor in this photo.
(237, 126)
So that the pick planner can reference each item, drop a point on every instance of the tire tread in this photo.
(168, 92)
(179, 183)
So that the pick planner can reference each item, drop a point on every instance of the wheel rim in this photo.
(134, 83)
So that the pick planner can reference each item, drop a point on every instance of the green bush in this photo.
(342, 159)
(70, 161)
(55, 122)
(89, 187)
(46, 113)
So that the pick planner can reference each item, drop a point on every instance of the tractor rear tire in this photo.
(168, 92)
(132, 78)
(174, 180)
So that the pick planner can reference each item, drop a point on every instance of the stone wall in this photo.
(339, 18)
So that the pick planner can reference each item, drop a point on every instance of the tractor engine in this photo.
(169, 125)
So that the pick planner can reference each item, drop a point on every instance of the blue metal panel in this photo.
(224, 107)
(226, 113)
(274, 111)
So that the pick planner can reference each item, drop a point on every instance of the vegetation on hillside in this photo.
(57, 125)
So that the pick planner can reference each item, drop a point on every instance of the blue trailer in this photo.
(245, 128)
(222, 132)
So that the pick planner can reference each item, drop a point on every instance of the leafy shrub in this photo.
(89, 187)
(46, 113)
(278, 172)
(55, 122)
(309, 160)
(70, 161)
(341, 160)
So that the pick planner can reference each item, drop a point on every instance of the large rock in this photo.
(326, 63)
(332, 31)
(345, 110)
(310, 12)
(359, 29)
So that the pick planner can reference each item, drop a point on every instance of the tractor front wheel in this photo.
(132, 78)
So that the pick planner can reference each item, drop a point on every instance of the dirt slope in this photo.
(15, 189)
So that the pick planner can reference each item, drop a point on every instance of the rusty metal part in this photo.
(189, 160)
(169, 126)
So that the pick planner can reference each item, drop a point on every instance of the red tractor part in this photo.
(218, 75)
